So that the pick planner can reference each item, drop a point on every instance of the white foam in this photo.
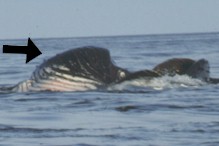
(158, 83)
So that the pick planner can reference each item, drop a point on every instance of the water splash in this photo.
(161, 83)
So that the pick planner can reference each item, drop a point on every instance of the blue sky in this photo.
(75, 18)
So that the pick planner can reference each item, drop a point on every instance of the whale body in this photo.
(199, 69)
(80, 69)
(91, 68)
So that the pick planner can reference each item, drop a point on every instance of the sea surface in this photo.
(177, 111)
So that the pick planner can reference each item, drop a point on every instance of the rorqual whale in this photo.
(91, 68)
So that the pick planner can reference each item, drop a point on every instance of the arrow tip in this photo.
(33, 51)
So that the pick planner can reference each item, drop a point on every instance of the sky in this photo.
(81, 18)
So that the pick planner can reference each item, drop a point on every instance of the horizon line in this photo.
(104, 36)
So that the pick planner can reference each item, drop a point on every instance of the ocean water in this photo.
(177, 111)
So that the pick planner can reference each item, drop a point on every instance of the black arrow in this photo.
(30, 50)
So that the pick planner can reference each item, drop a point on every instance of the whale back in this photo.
(183, 66)
(174, 66)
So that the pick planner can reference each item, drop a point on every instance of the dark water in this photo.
(186, 113)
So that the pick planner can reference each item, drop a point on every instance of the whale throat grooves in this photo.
(79, 69)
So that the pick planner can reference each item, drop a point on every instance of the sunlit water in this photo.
(167, 111)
